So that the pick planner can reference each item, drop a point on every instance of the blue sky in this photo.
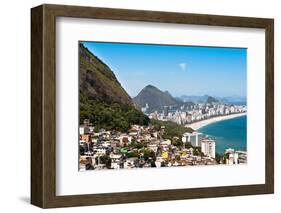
(182, 70)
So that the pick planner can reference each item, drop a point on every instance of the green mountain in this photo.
(155, 98)
(103, 100)
(97, 81)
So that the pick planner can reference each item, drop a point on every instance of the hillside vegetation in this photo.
(102, 98)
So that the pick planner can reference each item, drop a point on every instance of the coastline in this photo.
(199, 124)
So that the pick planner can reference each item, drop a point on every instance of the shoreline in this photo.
(199, 124)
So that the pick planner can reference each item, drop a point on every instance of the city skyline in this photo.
(216, 71)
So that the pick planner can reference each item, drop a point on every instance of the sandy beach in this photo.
(200, 124)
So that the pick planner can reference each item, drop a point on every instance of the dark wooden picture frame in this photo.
(43, 105)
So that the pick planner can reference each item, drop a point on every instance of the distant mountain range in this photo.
(204, 99)
(234, 99)
(157, 99)
(211, 99)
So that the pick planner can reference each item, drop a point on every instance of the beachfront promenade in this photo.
(199, 124)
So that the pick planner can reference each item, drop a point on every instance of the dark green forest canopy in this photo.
(110, 116)
(171, 129)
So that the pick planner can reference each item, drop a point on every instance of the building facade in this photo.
(195, 138)
(208, 147)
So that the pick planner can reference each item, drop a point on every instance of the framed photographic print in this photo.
(136, 106)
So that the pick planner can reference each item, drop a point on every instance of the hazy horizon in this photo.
(190, 95)
(180, 70)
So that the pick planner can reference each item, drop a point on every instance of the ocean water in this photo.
(230, 133)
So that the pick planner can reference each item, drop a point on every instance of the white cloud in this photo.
(183, 66)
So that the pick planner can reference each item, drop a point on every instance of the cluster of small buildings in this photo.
(208, 147)
(142, 146)
(193, 113)
(145, 146)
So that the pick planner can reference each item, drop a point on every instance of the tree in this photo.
(225, 157)
(89, 167)
(197, 152)
(105, 159)
(178, 143)
(188, 145)
(132, 154)
(81, 150)
(218, 158)
(148, 154)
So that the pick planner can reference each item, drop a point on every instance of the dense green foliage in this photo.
(133, 154)
(171, 129)
(110, 116)
(142, 153)
(137, 145)
(178, 142)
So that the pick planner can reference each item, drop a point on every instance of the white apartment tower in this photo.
(208, 147)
